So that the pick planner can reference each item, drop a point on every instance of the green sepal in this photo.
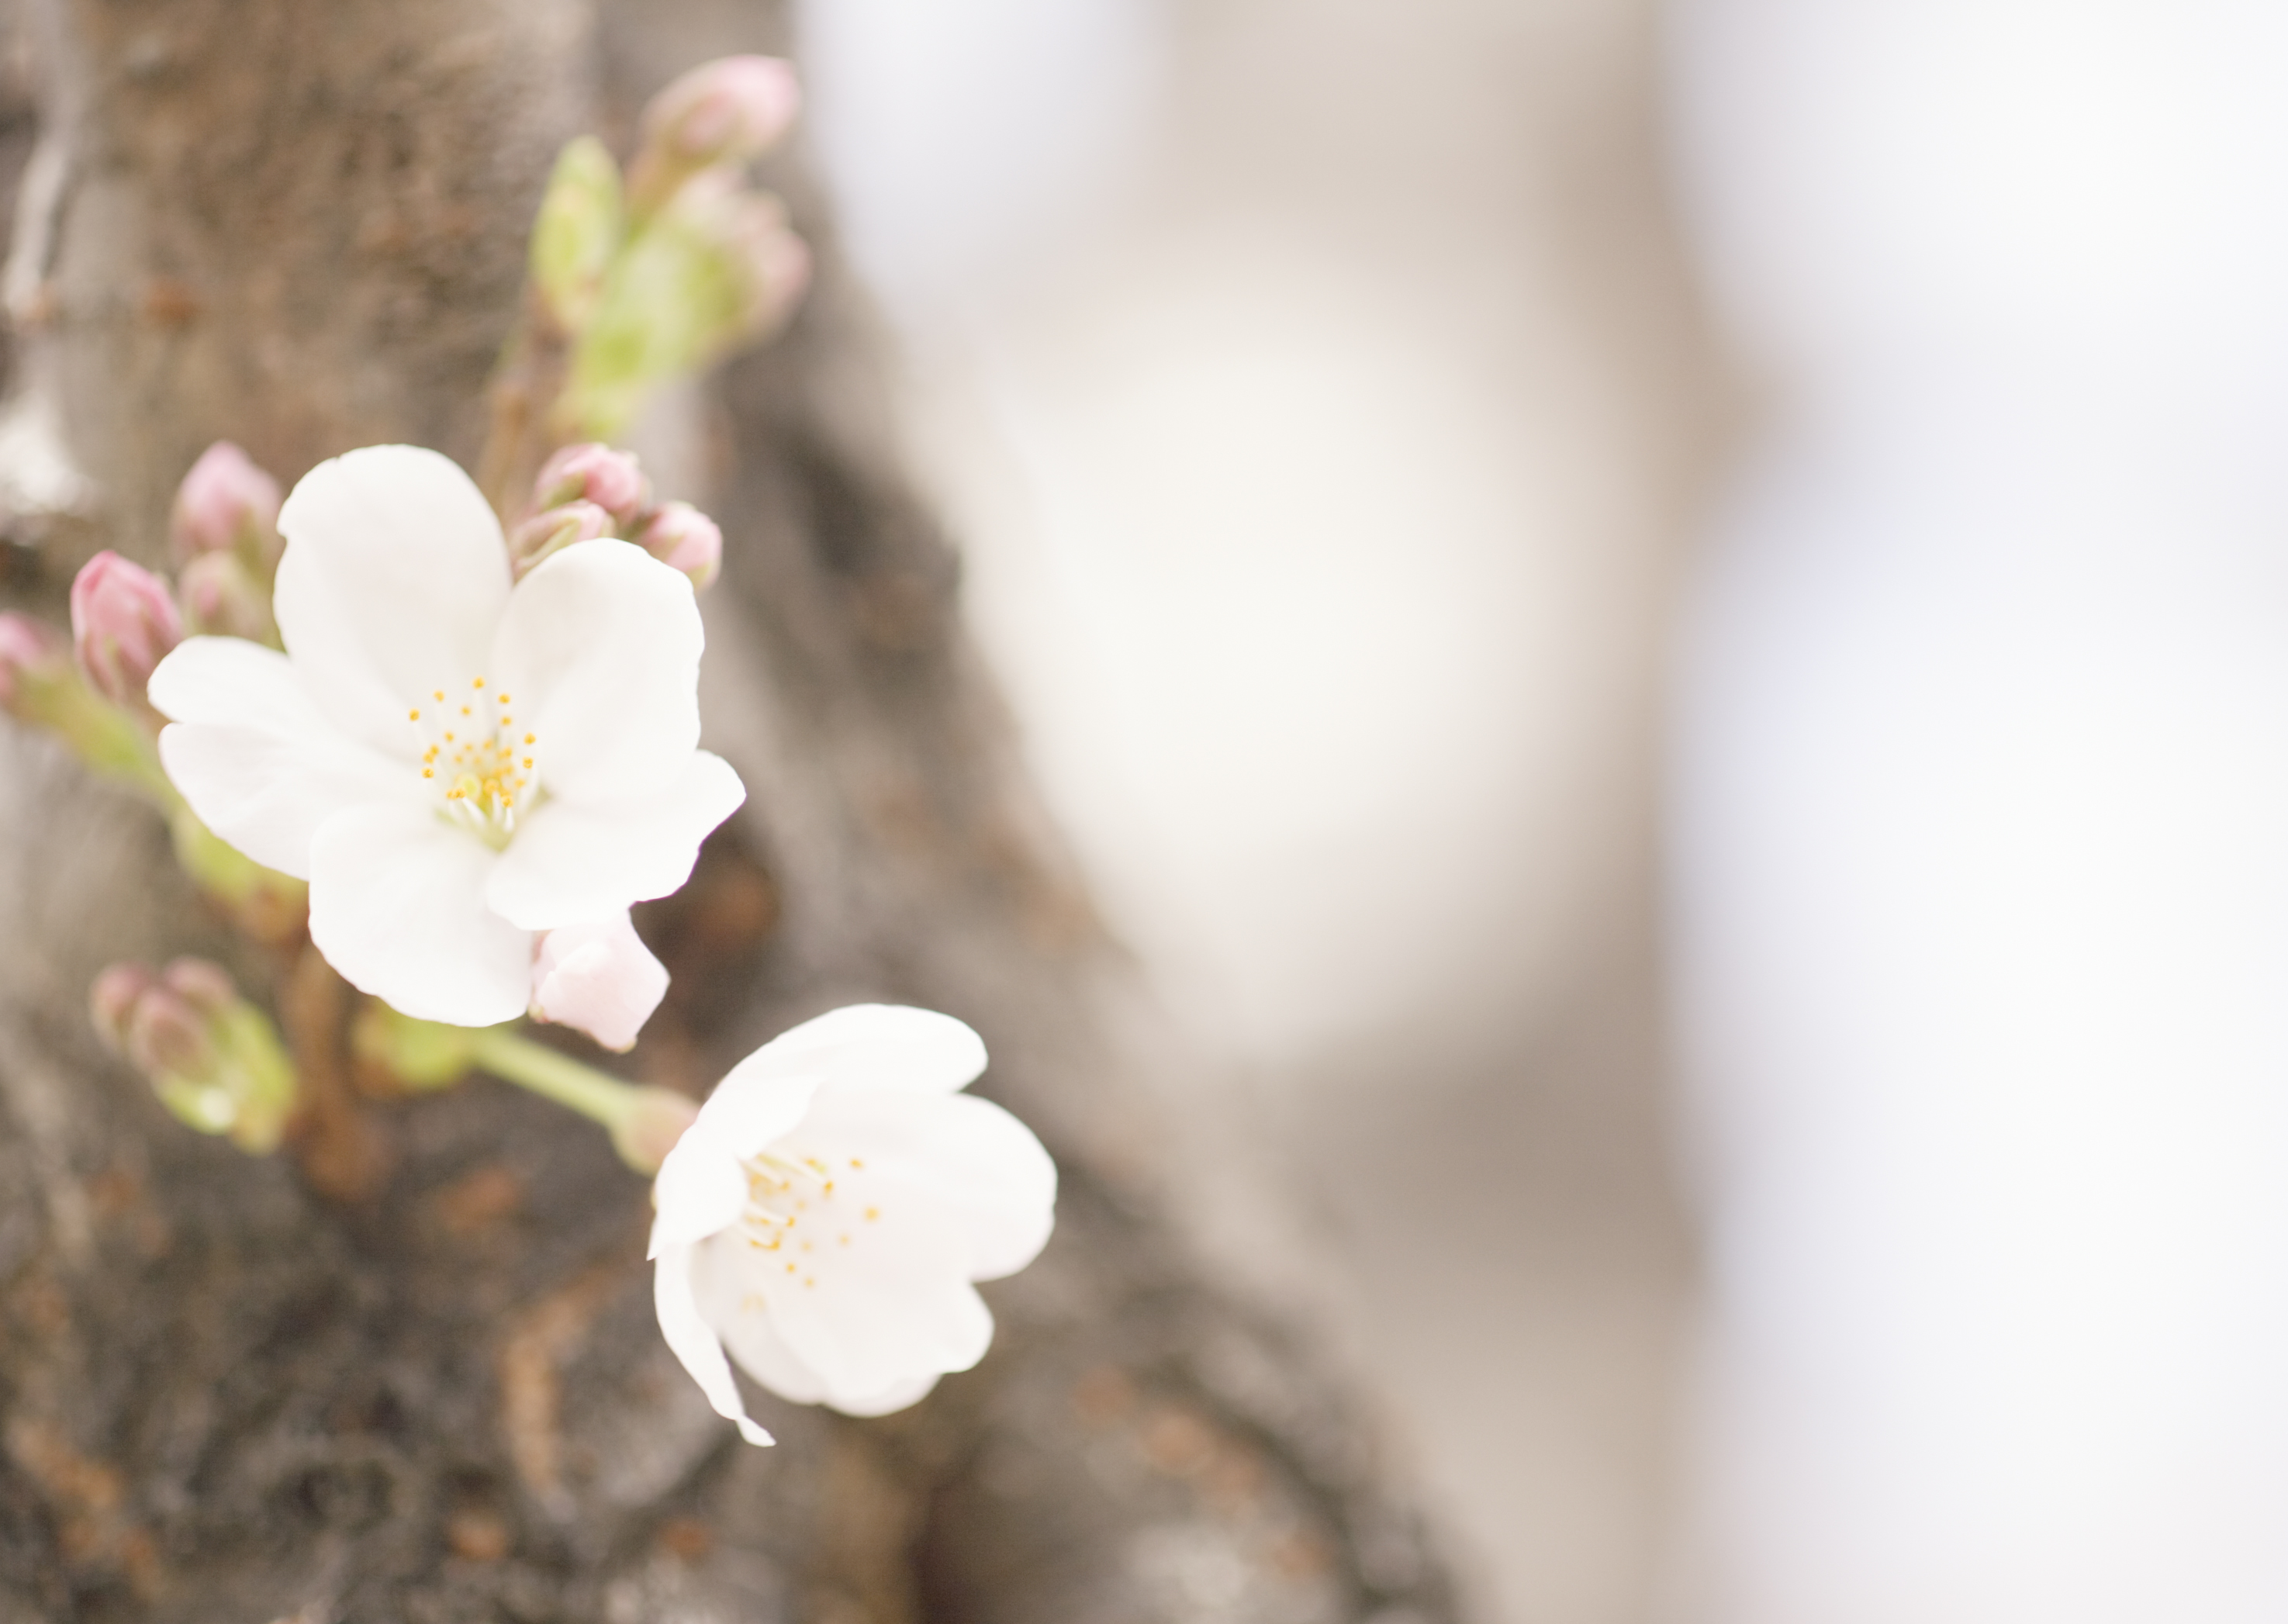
(419, 1057)
(582, 218)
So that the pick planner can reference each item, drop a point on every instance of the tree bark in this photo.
(430, 1388)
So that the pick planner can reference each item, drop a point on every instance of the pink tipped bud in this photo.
(226, 504)
(598, 977)
(111, 1002)
(682, 537)
(33, 658)
(123, 622)
(597, 473)
(724, 111)
(750, 228)
(655, 1122)
(206, 987)
(167, 1035)
(222, 597)
(545, 534)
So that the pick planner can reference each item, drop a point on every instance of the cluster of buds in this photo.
(224, 531)
(687, 261)
(213, 1059)
(592, 490)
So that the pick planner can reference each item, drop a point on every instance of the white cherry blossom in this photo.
(824, 1217)
(454, 763)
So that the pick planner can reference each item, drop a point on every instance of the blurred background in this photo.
(1663, 627)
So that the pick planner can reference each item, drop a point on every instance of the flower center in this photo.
(475, 756)
(804, 1209)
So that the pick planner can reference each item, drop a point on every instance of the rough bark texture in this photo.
(229, 1397)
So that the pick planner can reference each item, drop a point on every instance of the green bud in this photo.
(396, 1053)
(577, 233)
(213, 1059)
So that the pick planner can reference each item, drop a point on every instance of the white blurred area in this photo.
(1312, 388)
(1981, 827)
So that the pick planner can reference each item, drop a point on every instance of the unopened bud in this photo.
(111, 1002)
(769, 265)
(656, 1120)
(167, 1035)
(206, 987)
(722, 112)
(212, 1058)
(226, 504)
(34, 659)
(123, 622)
(611, 479)
(682, 537)
(545, 534)
(600, 978)
(222, 597)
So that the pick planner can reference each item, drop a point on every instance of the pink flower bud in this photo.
(226, 503)
(32, 657)
(682, 537)
(222, 597)
(123, 623)
(725, 110)
(609, 478)
(167, 1035)
(771, 263)
(111, 1002)
(598, 978)
(545, 534)
(206, 987)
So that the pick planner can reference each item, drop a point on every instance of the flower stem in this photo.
(579, 1088)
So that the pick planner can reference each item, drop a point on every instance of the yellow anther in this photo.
(436, 693)
(855, 1163)
(845, 1240)
(790, 1269)
(873, 1213)
(464, 711)
(428, 772)
(504, 699)
(413, 715)
(477, 682)
(527, 763)
(807, 1281)
(527, 738)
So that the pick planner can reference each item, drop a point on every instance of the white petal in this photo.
(600, 647)
(574, 860)
(251, 755)
(732, 1296)
(898, 1396)
(890, 1308)
(983, 1167)
(879, 1048)
(598, 978)
(394, 579)
(738, 1313)
(692, 1341)
(701, 1190)
(397, 906)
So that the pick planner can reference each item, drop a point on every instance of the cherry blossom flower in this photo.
(455, 762)
(824, 1217)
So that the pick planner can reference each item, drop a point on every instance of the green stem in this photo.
(591, 1093)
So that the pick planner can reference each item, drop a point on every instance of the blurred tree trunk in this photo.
(436, 1393)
